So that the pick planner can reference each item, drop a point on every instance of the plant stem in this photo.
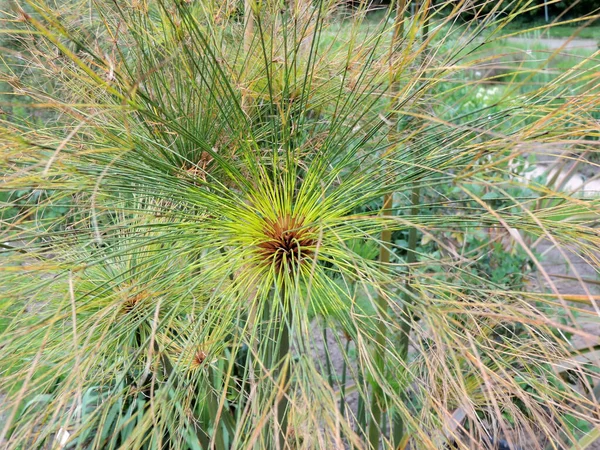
(411, 258)
(283, 363)
(343, 386)
(327, 357)
(386, 237)
(384, 259)
(425, 34)
(361, 414)
(213, 407)
(248, 25)
(248, 36)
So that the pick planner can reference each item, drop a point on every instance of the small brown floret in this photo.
(287, 243)
(132, 301)
(199, 358)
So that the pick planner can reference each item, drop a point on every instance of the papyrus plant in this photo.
(218, 169)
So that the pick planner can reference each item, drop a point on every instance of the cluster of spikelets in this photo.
(220, 168)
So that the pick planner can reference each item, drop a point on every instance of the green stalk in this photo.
(411, 258)
(248, 36)
(361, 414)
(282, 342)
(343, 386)
(425, 35)
(377, 397)
(384, 252)
(327, 357)
(398, 431)
(213, 407)
(248, 25)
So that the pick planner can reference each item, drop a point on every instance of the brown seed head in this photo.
(287, 243)
(131, 301)
(198, 170)
(199, 358)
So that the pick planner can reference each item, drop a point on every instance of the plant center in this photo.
(287, 243)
